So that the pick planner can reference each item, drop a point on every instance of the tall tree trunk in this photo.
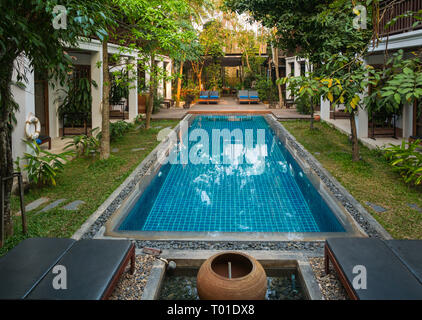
(312, 115)
(105, 125)
(150, 104)
(199, 75)
(6, 159)
(247, 60)
(179, 84)
(355, 143)
(277, 77)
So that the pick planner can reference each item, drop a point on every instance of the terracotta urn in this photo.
(231, 276)
(317, 117)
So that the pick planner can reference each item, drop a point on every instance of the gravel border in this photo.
(329, 284)
(358, 212)
(131, 286)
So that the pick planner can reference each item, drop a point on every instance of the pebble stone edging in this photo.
(361, 216)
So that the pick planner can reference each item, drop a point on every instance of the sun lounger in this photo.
(243, 96)
(204, 97)
(214, 96)
(93, 268)
(390, 273)
(410, 254)
(253, 96)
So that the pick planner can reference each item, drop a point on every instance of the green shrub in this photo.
(158, 101)
(85, 144)
(139, 120)
(302, 106)
(118, 129)
(406, 161)
(43, 166)
(267, 91)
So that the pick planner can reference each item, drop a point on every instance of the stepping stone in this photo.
(377, 208)
(158, 127)
(52, 205)
(414, 207)
(137, 149)
(139, 127)
(34, 204)
(317, 153)
(73, 205)
(114, 150)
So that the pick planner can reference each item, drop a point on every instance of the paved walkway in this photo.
(227, 105)
(343, 125)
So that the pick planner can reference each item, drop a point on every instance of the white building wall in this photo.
(91, 55)
(297, 63)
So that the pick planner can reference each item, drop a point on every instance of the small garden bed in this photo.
(370, 180)
(86, 179)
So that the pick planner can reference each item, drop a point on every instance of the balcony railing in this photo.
(392, 8)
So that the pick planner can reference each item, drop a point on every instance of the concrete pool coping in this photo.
(273, 259)
(363, 224)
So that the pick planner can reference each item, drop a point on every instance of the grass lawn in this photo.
(88, 180)
(371, 179)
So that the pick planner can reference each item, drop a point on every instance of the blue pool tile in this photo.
(228, 198)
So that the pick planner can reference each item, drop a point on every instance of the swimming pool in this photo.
(257, 187)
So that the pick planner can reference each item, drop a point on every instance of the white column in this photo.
(288, 71)
(407, 120)
(325, 109)
(160, 65)
(168, 85)
(133, 92)
(25, 98)
(97, 76)
(297, 67)
(362, 123)
(55, 96)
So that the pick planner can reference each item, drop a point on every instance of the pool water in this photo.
(268, 194)
(282, 284)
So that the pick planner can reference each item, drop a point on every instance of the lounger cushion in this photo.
(243, 94)
(214, 95)
(90, 266)
(253, 94)
(204, 95)
(26, 264)
(387, 276)
(410, 254)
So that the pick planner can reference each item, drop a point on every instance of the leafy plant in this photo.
(43, 166)
(77, 100)
(85, 144)
(266, 89)
(139, 120)
(302, 106)
(120, 85)
(158, 101)
(406, 160)
(118, 129)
